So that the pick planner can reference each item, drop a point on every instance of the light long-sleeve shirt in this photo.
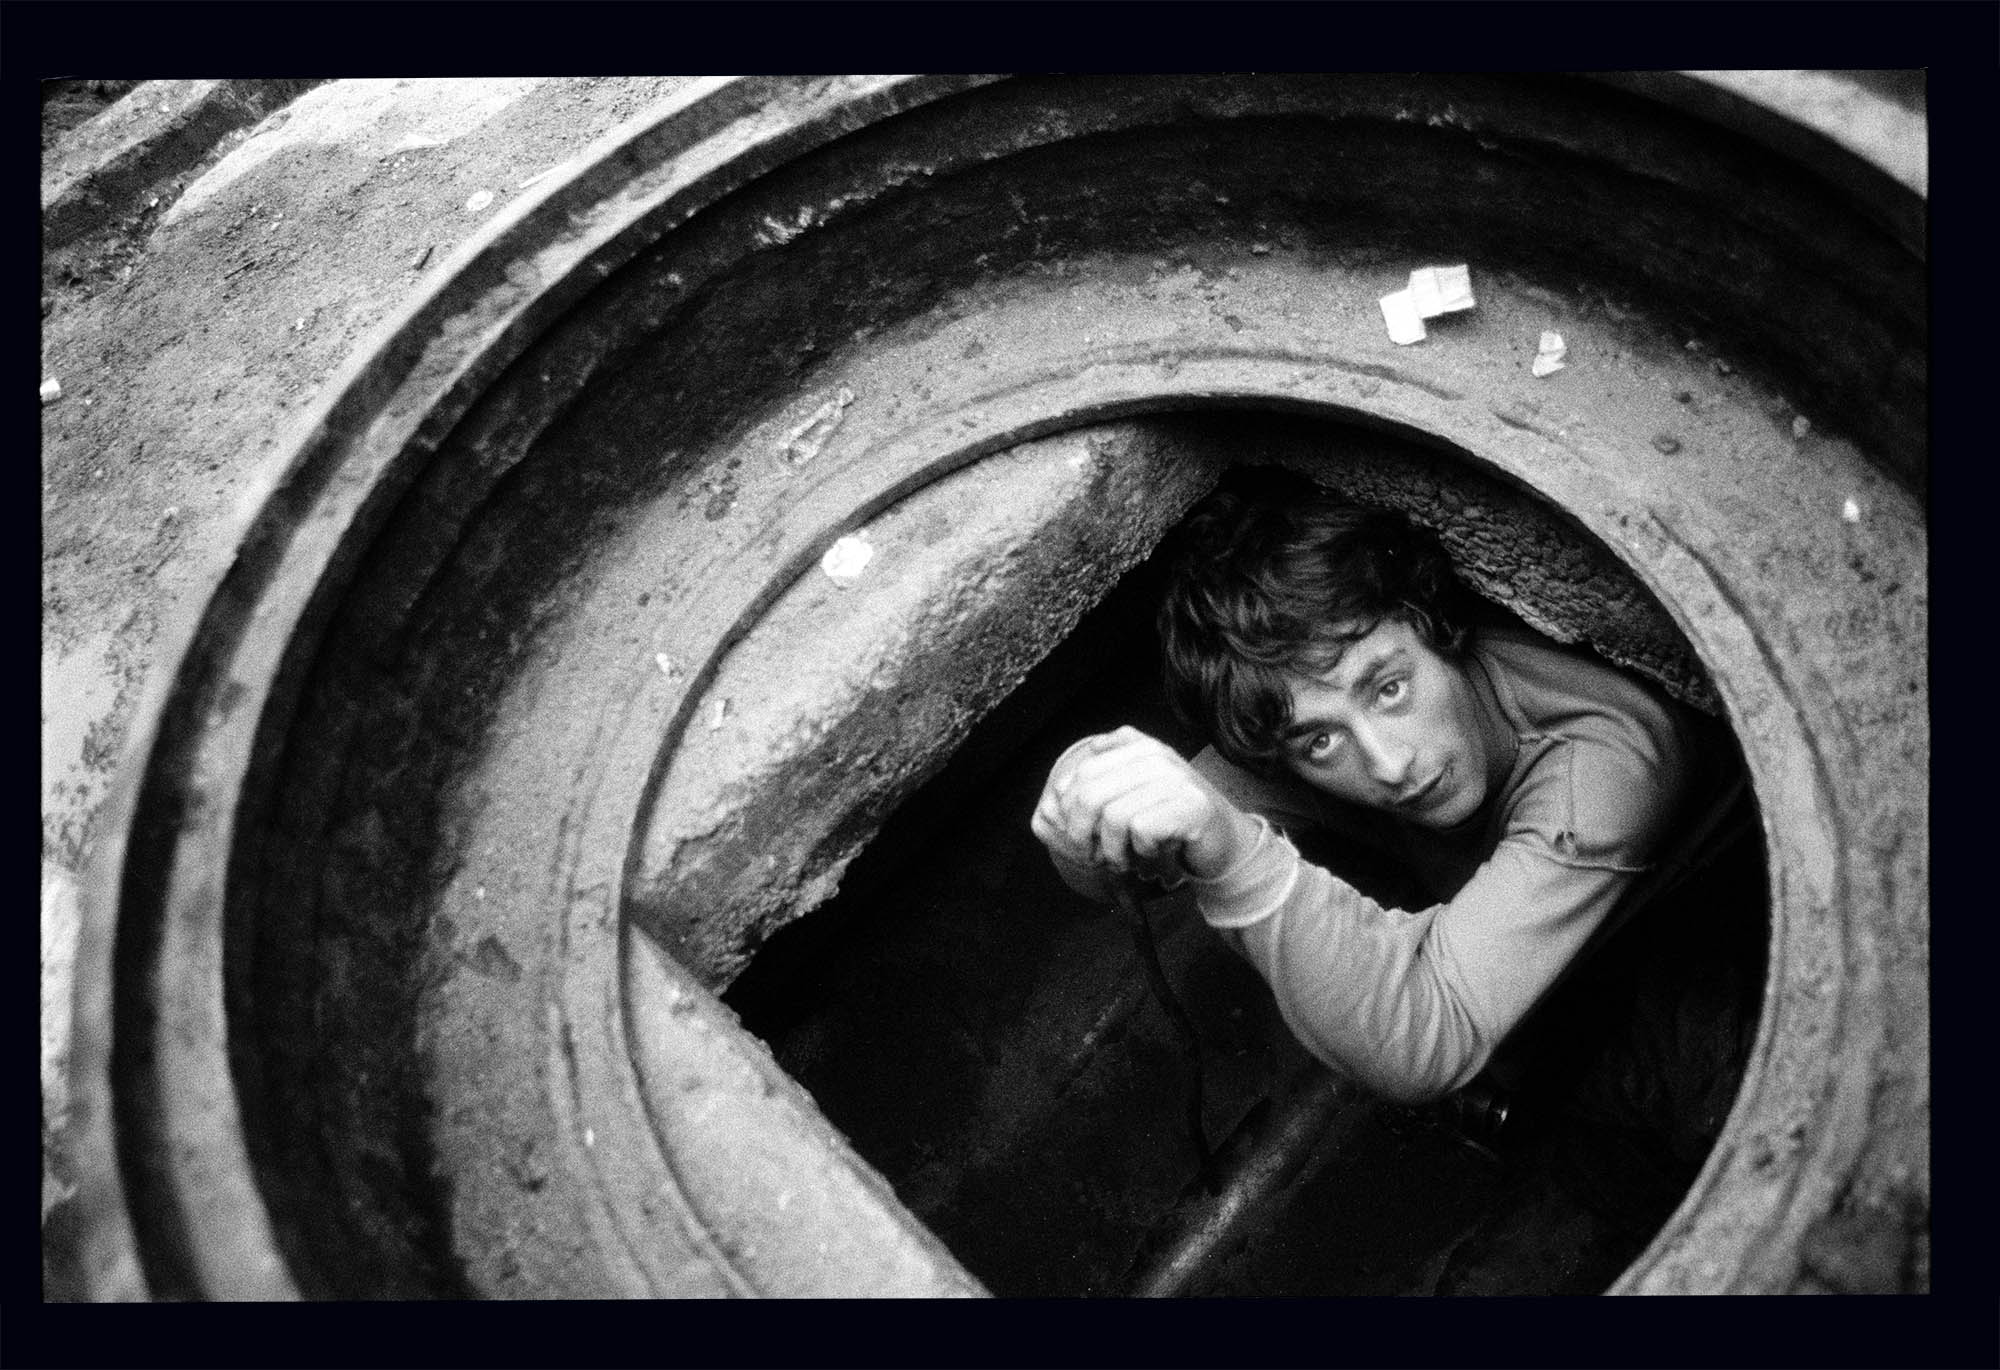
(1413, 1004)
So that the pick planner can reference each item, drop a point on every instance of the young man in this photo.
(1328, 654)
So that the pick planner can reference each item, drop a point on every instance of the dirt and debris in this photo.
(809, 437)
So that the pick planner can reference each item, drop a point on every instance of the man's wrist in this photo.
(1240, 835)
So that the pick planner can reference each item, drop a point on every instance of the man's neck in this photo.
(1503, 742)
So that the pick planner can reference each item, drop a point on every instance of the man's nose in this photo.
(1386, 756)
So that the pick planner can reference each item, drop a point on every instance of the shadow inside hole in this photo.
(988, 1041)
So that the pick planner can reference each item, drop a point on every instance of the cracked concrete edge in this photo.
(102, 167)
(60, 929)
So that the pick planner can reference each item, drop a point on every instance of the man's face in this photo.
(1393, 726)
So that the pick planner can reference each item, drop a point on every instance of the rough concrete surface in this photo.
(186, 335)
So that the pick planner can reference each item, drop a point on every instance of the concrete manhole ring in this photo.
(425, 722)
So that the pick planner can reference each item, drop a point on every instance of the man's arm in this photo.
(1414, 1004)
(1411, 1004)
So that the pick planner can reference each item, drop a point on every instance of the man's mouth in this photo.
(1419, 797)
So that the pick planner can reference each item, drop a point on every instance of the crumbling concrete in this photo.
(852, 689)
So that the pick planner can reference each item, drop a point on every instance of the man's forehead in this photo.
(1354, 649)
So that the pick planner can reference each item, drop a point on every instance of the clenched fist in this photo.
(1124, 801)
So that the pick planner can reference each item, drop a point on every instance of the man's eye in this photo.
(1392, 690)
(1321, 744)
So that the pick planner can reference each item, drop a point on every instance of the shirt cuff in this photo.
(1255, 887)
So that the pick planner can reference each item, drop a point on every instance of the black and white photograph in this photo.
(1049, 687)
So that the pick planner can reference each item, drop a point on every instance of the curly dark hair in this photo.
(1277, 576)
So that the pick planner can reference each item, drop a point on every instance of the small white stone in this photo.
(847, 558)
(721, 713)
(665, 663)
(51, 390)
(479, 201)
(1400, 313)
(1850, 512)
(1549, 355)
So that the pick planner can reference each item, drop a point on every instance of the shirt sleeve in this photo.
(1413, 1004)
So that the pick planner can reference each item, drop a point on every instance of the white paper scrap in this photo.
(1850, 512)
(1405, 325)
(1549, 356)
(1436, 290)
(846, 559)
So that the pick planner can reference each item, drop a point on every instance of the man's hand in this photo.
(1128, 802)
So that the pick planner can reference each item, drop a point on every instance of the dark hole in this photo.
(988, 1041)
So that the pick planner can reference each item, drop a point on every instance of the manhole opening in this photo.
(987, 1041)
